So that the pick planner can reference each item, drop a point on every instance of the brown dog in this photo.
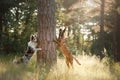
(60, 41)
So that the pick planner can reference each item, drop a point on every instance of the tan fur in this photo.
(64, 50)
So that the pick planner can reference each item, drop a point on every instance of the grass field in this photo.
(91, 69)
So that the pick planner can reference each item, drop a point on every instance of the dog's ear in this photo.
(31, 38)
(36, 36)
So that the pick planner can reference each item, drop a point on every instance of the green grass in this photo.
(91, 69)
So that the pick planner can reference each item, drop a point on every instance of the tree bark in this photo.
(46, 33)
(101, 35)
(116, 31)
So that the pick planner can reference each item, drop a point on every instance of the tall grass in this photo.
(91, 69)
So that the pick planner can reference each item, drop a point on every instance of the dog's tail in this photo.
(76, 60)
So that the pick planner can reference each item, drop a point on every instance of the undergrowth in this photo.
(91, 69)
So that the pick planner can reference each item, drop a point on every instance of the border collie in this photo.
(31, 49)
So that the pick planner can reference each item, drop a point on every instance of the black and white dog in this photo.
(31, 49)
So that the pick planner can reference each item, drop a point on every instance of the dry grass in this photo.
(91, 69)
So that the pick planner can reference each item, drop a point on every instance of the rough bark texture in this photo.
(46, 32)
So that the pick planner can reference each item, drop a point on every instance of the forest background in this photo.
(92, 26)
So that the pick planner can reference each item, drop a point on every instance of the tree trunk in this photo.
(1, 27)
(116, 31)
(101, 35)
(46, 33)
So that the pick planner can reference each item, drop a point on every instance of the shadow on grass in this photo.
(10, 73)
(14, 72)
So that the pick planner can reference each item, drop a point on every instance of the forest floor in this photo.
(91, 68)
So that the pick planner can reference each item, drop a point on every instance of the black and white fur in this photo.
(31, 49)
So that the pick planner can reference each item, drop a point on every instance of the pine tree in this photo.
(46, 32)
